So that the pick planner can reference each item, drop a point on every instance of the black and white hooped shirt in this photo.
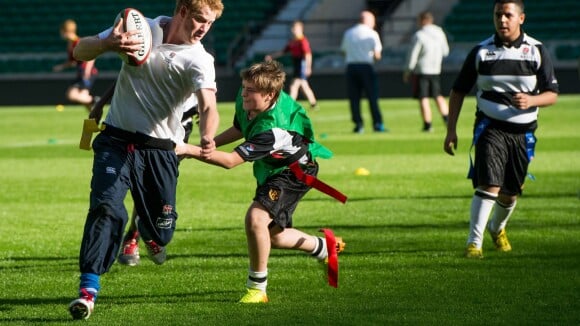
(500, 71)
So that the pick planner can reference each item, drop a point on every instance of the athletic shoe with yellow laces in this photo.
(501, 241)
(254, 296)
(473, 252)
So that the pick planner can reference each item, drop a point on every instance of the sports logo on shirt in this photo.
(169, 58)
(274, 194)
(247, 149)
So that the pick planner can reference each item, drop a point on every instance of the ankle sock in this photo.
(89, 285)
(257, 280)
(320, 252)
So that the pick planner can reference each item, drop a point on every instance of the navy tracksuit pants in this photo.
(119, 166)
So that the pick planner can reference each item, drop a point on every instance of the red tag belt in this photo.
(315, 183)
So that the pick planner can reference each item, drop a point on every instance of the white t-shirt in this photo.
(359, 43)
(151, 98)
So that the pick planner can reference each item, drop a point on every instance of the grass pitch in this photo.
(405, 226)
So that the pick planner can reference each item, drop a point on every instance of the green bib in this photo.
(286, 114)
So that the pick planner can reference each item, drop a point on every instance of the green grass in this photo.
(405, 227)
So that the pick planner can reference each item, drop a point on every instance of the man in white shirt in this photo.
(362, 47)
(136, 150)
(428, 48)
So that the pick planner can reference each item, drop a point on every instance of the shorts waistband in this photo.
(139, 139)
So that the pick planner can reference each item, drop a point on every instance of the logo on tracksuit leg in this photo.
(165, 222)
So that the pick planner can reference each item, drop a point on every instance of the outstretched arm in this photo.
(228, 136)
(219, 158)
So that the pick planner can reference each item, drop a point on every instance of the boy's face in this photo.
(507, 19)
(255, 100)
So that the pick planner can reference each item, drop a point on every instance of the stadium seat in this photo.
(42, 38)
(548, 20)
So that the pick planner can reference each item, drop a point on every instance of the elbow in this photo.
(79, 56)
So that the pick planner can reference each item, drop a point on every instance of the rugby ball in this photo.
(133, 19)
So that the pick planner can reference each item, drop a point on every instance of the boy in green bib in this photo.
(279, 140)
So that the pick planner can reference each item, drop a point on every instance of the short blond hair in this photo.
(267, 77)
(195, 5)
(68, 25)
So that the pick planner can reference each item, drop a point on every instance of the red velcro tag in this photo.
(332, 257)
(316, 183)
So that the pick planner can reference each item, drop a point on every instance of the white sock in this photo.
(320, 252)
(481, 206)
(501, 215)
(257, 280)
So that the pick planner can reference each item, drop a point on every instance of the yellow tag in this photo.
(89, 127)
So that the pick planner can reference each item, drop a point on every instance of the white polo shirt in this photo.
(150, 98)
(359, 43)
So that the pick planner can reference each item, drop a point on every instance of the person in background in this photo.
(362, 47)
(299, 49)
(428, 48)
(514, 76)
(80, 90)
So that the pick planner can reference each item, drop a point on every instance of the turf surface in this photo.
(405, 226)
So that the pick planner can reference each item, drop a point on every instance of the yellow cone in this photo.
(362, 171)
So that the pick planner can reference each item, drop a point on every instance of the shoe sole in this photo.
(79, 310)
(129, 261)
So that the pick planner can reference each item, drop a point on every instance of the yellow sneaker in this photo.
(473, 252)
(254, 296)
(501, 241)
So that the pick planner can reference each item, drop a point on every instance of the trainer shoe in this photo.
(156, 252)
(379, 127)
(130, 253)
(501, 241)
(254, 296)
(473, 252)
(82, 307)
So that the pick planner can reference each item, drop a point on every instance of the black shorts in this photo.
(426, 86)
(187, 121)
(501, 160)
(299, 68)
(281, 193)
